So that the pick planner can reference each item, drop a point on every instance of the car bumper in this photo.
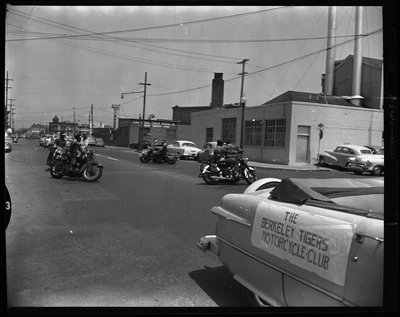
(357, 167)
(209, 243)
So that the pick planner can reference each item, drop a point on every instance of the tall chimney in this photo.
(217, 92)
(330, 52)
(356, 98)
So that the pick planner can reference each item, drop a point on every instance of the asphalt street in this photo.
(127, 240)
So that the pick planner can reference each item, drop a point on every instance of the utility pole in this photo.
(7, 87)
(242, 100)
(91, 117)
(144, 109)
(12, 114)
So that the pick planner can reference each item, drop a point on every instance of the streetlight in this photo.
(145, 84)
(243, 101)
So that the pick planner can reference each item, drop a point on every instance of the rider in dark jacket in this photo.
(161, 152)
(61, 142)
(75, 149)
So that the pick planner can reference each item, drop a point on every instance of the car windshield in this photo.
(188, 144)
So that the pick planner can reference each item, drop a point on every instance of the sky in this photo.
(61, 60)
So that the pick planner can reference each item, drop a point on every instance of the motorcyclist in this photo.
(225, 154)
(75, 149)
(85, 141)
(161, 152)
(61, 141)
(231, 155)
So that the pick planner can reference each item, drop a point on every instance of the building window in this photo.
(228, 129)
(209, 134)
(252, 132)
(275, 132)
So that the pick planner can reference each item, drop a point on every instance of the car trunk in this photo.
(291, 254)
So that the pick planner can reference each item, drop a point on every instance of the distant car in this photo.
(208, 149)
(8, 143)
(99, 142)
(185, 149)
(14, 138)
(41, 140)
(136, 145)
(304, 241)
(48, 139)
(375, 149)
(374, 163)
(92, 140)
(341, 154)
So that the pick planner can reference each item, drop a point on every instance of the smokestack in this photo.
(217, 92)
(356, 98)
(330, 52)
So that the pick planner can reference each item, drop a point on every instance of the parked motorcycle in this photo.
(86, 166)
(147, 155)
(214, 173)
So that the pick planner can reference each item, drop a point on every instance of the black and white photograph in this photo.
(190, 157)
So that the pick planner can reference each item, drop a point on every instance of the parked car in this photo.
(208, 149)
(136, 145)
(304, 242)
(186, 149)
(8, 143)
(14, 138)
(374, 164)
(341, 154)
(48, 139)
(99, 142)
(41, 140)
(375, 149)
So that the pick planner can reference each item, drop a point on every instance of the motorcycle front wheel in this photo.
(92, 173)
(56, 170)
(145, 159)
(249, 176)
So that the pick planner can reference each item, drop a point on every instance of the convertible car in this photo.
(304, 242)
(341, 154)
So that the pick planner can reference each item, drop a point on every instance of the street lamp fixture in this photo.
(243, 101)
(133, 92)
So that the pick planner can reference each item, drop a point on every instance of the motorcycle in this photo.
(214, 173)
(147, 155)
(86, 166)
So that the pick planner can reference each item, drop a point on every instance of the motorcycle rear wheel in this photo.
(92, 173)
(57, 169)
(170, 160)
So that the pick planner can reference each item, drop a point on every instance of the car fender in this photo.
(328, 157)
(261, 184)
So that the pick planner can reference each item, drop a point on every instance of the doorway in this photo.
(303, 144)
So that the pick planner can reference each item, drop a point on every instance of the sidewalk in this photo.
(314, 168)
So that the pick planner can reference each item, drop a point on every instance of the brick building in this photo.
(129, 131)
(285, 130)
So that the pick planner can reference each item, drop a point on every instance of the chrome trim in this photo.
(219, 211)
